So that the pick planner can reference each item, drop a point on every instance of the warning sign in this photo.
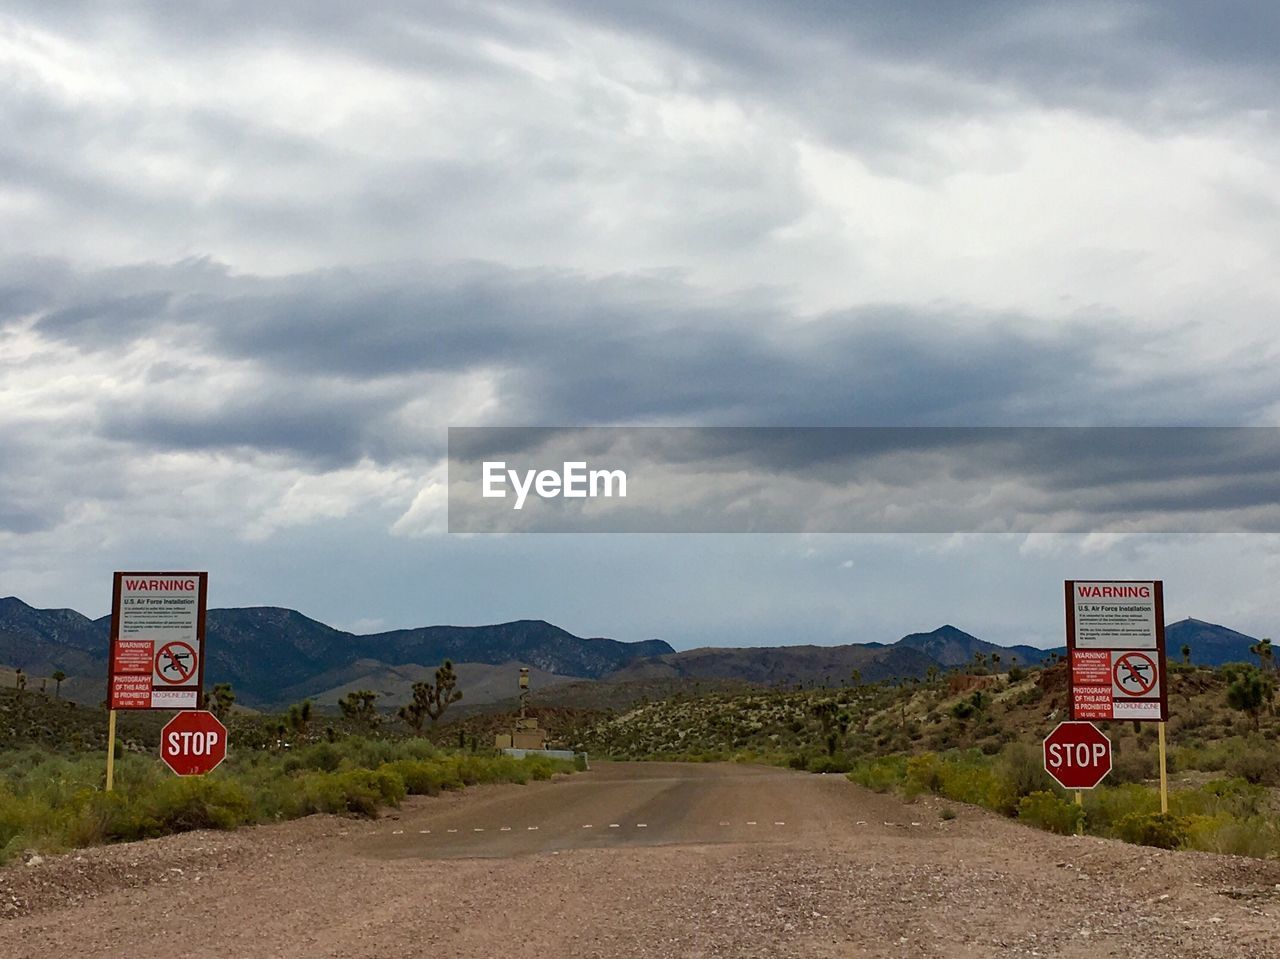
(1115, 641)
(157, 640)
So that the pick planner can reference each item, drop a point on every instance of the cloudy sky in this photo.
(254, 260)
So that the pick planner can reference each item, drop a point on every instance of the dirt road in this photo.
(644, 860)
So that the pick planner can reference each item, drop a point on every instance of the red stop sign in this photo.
(193, 742)
(1077, 755)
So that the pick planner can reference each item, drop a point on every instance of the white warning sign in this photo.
(157, 639)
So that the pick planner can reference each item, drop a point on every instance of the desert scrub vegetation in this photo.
(55, 802)
(1224, 815)
(821, 726)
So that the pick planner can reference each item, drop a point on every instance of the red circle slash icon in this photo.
(1135, 674)
(176, 663)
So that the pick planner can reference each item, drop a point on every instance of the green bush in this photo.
(828, 764)
(1256, 764)
(1022, 768)
(979, 786)
(1227, 835)
(923, 775)
(1132, 764)
(1107, 806)
(881, 774)
(1045, 810)
(56, 802)
(1162, 830)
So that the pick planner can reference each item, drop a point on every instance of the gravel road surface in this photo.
(643, 860)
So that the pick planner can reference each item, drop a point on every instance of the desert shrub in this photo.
(1235, 797)
(1227, 835)
(1030, 696)
(1162, 830)
(1106, 806)
(1045, 810)
(422, 778)
(979, 786)
(829, 764)
(170, 806)
(23, 819)
(923, 775)
(1132, 764)
(881, 774)
(323, 756)
(1255, 764)
(1022, 767)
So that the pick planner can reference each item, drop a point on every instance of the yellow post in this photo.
(111, 749)
(1080, 803)
(1164, 774)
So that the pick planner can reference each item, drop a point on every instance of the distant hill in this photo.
(782, 665)
(482, 683)
(954, 647)
(273, 656)
(1211, 645)
(44, 640)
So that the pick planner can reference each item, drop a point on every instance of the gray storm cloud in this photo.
(258, 258)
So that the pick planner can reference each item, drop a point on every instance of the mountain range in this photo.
(274, 656)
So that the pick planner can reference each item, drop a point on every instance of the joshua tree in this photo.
(1186, 654)
(361, 706)
(827, 714)
(995, 662)
(855, 677)
(1266, 655)
(1249, 692)
(430, 700)
(299, 717)
(58, 677)
(220, 701)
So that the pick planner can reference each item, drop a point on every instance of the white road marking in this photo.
(642, 825)
(453, 830)
(531, 828)
(779, 823)
(751, 822)
(724, 822)
(424, 831)
(505, 829)
(587, 826)
(478, 829)
(613, 825)
(397, 832)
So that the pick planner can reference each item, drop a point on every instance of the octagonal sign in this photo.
(1077, 755)
(193, 742)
